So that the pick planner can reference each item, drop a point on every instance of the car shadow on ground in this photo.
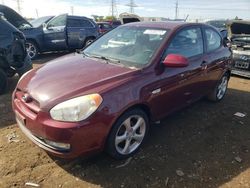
(203, 143)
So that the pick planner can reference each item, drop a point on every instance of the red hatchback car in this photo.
(106, 96)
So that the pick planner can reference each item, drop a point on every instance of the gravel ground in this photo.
(204, 145)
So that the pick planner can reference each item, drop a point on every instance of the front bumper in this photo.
(84, 137)
(241, 63)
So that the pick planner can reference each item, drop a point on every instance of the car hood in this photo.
(14, 18)
(239, 30)
(71, 76)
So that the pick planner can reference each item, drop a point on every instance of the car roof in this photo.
(79, 17)
(162, 25)
(103, 23)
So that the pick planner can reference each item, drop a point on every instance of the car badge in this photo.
(26, 98)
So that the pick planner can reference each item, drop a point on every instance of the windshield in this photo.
(130, 46)
(39, 21)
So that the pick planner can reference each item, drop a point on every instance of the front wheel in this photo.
(220, 90)
(128, 134)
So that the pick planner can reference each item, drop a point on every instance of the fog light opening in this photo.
(58, 145)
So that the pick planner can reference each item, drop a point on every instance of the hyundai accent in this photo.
(107, 96)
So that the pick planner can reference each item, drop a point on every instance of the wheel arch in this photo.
(87, 38)
(144, 107)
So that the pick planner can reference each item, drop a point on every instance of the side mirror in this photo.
(175, 60)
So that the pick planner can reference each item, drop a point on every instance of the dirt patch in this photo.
(204, 145)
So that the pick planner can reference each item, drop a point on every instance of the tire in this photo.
(3, 81)
(128, 134)
(220, 90)
(32, 49)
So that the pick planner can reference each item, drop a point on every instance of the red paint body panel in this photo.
(121, 88)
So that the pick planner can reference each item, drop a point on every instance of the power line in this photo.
(132, 5)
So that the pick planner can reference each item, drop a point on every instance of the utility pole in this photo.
(113, 8)
(19, 6)
(131, 6)
(176, 9)
(37, 15)
(72, 10)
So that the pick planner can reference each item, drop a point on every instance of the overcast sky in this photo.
(201, 9)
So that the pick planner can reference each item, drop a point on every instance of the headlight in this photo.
(76, 109)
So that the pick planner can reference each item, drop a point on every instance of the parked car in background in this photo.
(129, 18)
(39, 22)
(106, 97)
(239, 35)
(63, 32)
(104, 27)
(221, 25)
(13, 55)
(115, 23)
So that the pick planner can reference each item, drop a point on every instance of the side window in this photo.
(213, 39)
(86, 23)
(106, 26)
(58, 21)
(74, 22)
(187, 42)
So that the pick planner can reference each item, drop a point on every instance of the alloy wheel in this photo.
(31, 50)
(222, 87)
(130, 134)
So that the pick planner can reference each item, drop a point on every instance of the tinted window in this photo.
(106, 26)
(86, 23)
(187, 42)
(74, 23)
(79, 23)
(213, 40)
(58, 21)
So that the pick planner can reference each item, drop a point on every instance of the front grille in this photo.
(32, 106)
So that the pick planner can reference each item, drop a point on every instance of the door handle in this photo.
(204, 65)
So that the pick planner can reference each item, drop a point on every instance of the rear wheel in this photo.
(220, 90)
(32, 49)
(3, 81)
(128, 134)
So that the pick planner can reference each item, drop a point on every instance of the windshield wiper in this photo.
(108, 60)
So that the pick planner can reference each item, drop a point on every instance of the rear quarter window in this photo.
(213, 40)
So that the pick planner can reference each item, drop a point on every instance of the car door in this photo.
(55, 33)
(215, 56)
(177, 87)
(78, 28)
